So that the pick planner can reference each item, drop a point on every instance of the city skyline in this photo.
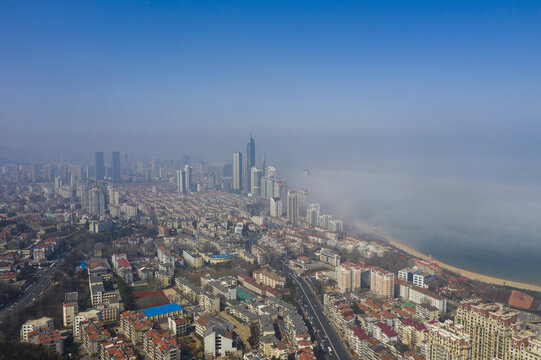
(339, 201)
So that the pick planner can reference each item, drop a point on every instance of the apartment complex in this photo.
(31, 325)
(70, 308)
(160, 346)
(525, 346)
(98, 294)
(177, 325)
(330, 257)
(192, 260)
(48, 338)
(350, 276)
(218, 341)
(266, 276)
(416, 276)
(490, 326)
(447, 341)
(428, 300)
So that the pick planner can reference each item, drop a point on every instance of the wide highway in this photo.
(31, 293)
(325, 333)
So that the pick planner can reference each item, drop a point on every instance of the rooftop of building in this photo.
(162, 309)
(220, 256)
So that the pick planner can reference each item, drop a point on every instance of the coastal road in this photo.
(319, 321)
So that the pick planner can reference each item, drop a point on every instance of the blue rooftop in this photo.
(219, 256)
(83, 266)
(162, 309)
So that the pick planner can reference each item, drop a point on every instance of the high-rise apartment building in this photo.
(83, 194)
(312, 214)
(303, 198)
(96, 200)
(237, 171)
(490, 326)
(245, 174)
(343, 278)
(255, 181)
(267, 187)
(70, 308)
(113, 195)
(525, 346)
(212, 181)
(280, 190)
(275, 207)
(446, 341)
(181, 181)
(99, 166)
(155, 167)
(115, 171)
(293, 207)
(262, 164)
(188, 177)
(271, 171)
(336, 225)
(382, 282)
(349, 276)
(324, 221)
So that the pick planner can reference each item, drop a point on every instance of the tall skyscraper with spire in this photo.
(250, 152)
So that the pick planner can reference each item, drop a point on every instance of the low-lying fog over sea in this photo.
(493, 228)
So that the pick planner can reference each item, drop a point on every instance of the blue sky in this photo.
(379, 79)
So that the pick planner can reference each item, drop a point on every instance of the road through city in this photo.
(325, 333)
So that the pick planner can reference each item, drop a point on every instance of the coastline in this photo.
(461, 272)
(469, 274)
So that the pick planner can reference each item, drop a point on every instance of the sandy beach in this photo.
(469, 274)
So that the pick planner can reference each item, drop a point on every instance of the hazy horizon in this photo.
(316, 82)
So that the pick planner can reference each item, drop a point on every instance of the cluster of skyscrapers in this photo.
(101, 171)
(247, 178)
(314, 218)
(263, 181)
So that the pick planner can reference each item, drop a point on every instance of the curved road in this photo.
(45, 276)
(31, 293)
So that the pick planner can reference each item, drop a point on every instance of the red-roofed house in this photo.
(159, 346)
(48, 338)
(384, 333)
